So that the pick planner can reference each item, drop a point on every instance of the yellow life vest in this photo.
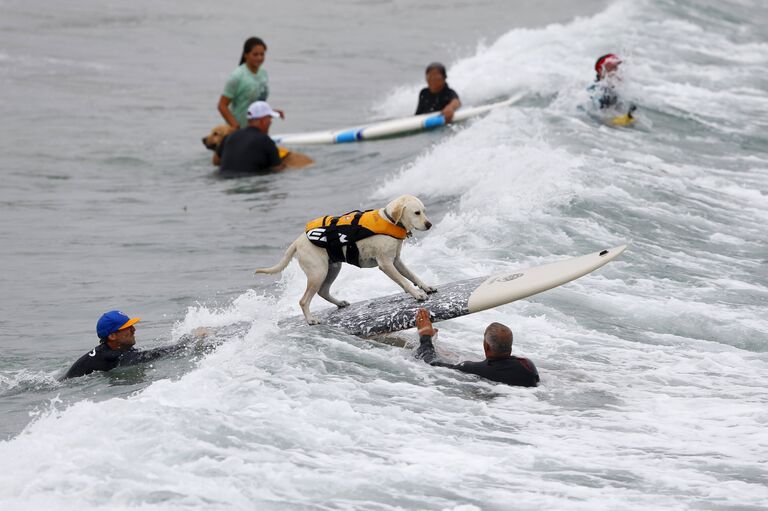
(338, 234)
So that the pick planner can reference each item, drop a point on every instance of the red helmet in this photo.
(602, 61)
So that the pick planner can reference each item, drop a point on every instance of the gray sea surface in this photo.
(654, 368)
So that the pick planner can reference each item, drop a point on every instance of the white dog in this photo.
(366, 239)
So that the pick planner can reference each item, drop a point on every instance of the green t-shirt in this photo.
(243, 88)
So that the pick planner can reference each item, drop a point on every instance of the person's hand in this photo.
(448, 114)
(282, 114)
(424, 323)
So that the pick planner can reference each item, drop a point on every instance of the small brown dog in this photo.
(291, 159)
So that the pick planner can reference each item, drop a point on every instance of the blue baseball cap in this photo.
(112, 321)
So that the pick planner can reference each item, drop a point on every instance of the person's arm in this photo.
(226, 113)
(450, 109)
(426, 350)
(133, 357)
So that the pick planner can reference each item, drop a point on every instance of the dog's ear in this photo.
(398, 207)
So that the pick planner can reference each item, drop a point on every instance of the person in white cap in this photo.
(250, 150)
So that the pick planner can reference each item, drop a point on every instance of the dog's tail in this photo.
(283, 262)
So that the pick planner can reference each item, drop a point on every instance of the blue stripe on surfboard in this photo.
(348, 136)
(433, 122)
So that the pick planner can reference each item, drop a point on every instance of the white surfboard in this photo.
(397, 312)
(387, 128)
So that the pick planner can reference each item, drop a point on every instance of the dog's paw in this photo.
(429, 289)
(420, 295)
(343, 304)
(311, 320)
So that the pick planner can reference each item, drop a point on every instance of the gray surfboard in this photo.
(397, 312)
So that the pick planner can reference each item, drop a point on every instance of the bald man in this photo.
(499, 364)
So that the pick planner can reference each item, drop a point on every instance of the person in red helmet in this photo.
(603, 92)
(607, 64)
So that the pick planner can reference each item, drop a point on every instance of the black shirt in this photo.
(104, 358)
(429, 102)
(247, 151)
(511, 370)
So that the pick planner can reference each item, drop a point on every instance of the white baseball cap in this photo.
(259, 109)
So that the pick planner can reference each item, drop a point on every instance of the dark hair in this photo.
(249, 44)
(439, 67)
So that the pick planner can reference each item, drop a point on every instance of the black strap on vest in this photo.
(353, 254)
(334, 246)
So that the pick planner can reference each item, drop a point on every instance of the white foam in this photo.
(653, 369)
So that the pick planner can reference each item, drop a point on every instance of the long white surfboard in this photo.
(387, 128)
(397, 312)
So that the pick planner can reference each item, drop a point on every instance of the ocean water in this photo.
(654, 368)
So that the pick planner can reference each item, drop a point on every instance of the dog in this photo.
(322, 265)
(217, 134)
(291, 159)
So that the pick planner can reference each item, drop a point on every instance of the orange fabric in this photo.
(370, 220)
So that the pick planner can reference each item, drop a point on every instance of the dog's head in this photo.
(408, 211)
(217, 134)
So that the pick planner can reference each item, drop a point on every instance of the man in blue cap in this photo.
(117, 337)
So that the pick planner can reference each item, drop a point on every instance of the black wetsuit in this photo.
(429, 102)
(104, 358)
(247, 151)
(511, 370)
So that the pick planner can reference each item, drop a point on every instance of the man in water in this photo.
(117, 337)
(250, 150)
(437, 96)
(499, 364)
(603, 92)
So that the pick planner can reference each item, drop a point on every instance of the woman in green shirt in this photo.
(246, 84)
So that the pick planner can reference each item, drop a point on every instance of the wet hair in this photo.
(249, 44)
(499, 338)
(439, 67)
